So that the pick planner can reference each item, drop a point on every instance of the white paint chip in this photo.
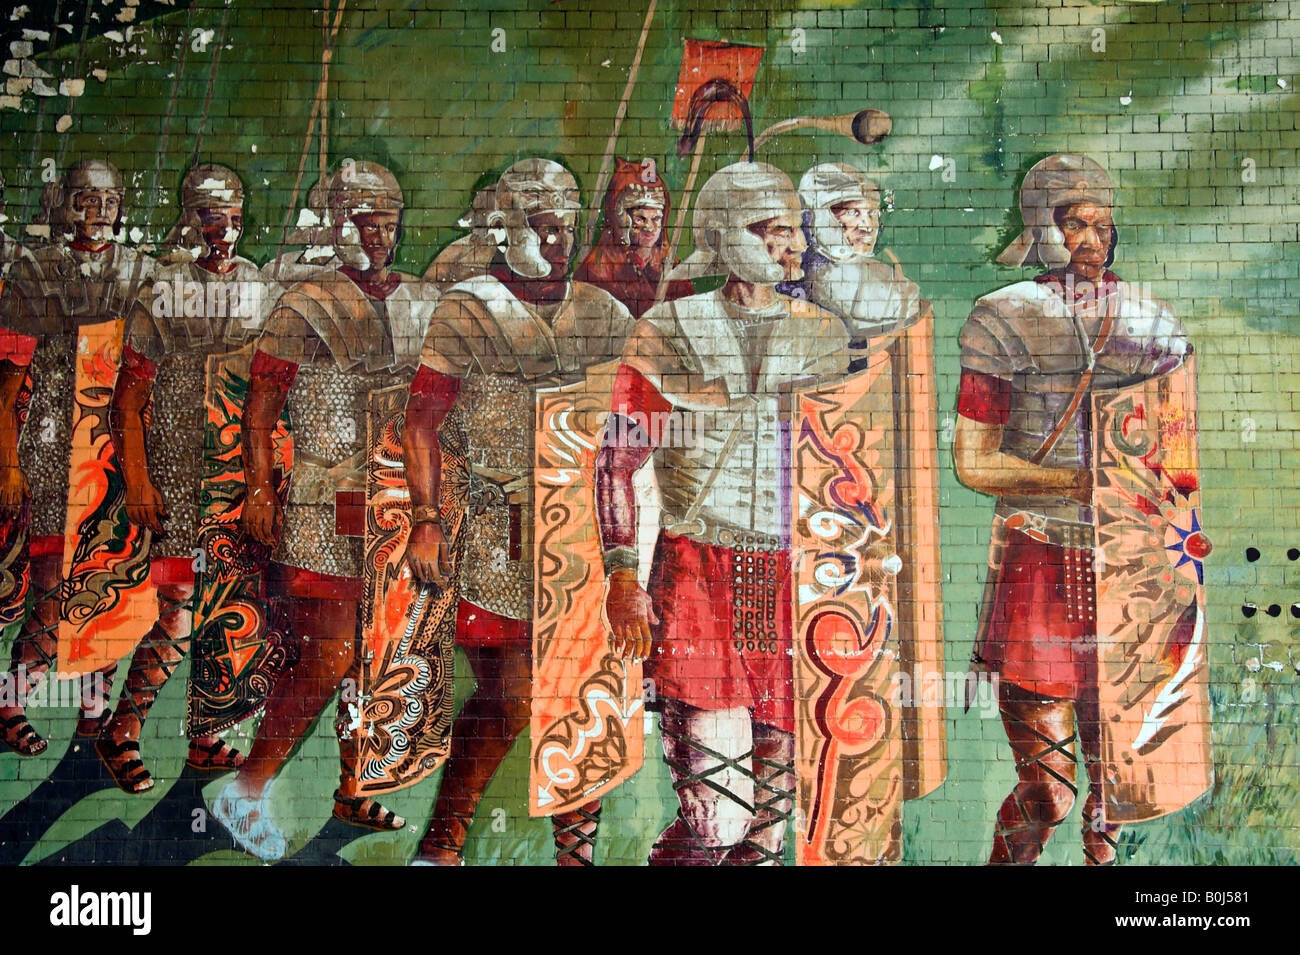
(114, 35)
(936, 162)
(19, 12)
(136, 233)
(42, 35)
(64, 124)
(72, 87)
(997, 37)
(1125, 100)
(1281, 82)
(99, 74)
(21, 48)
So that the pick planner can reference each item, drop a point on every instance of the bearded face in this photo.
(367, 241)
(222, 227)
(1089, 236)
(860, 222)
(96, 212)
(555, 233)
(784, 240)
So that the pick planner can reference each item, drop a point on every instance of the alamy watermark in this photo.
(952, 689)
(21, 688)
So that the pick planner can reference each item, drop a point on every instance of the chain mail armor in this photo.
(235, 308)
(504, 349)
(51, 292)
(346, 345)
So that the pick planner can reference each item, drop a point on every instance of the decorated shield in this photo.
(15, 539)
(848, 722)
(240, 643)
(1152, 651)
(587, 719)
(408, 629)
(107, 602)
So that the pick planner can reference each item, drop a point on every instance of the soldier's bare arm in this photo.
(981, 466)
(145, 506)
(268, 390)
(432, 396)
(625, 448)
(444, 361)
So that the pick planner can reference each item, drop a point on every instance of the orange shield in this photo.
(868, 615)
(239, 644)
(405, 708)
(1152, 652)
(587, 720)
(106, 601)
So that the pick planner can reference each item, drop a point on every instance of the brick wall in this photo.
(1189, 107)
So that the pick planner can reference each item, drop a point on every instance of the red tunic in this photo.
(698, 656)
(1041, 627)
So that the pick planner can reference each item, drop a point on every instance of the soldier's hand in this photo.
(262, 515)
(145, 506)
(429, 554)
(630, 613)
(13, 492)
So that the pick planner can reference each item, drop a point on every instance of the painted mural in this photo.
(541, 457)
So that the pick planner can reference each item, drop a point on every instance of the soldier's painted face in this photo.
(1089, 233)
(647, 226)
(222, 228)
(97, 214)
(783, 237)
(555, 232)
(378, 231)
(860, 220)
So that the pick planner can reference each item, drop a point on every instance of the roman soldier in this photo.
(329, 342)
(205, 299)
(81, 277)
(841, 270)
(628, 259)
(714, 623)
(494, 341)
(1031, 354)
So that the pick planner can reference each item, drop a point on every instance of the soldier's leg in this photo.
(326, 631)
(154, 662)
(1100, 839)
(1041, 733)
(575, 834)
(709, 754)
(773, 798)
(485, 729)
(35, 651)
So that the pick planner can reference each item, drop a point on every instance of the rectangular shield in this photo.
(240, 644)
(848, 729)
(587, 722)
(405, 708)
(15, 534)
(107, 602)
(919, 603)
(1152, 651)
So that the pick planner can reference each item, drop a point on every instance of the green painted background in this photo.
(1183, 95)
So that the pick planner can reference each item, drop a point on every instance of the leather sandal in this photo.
(21, 737)
(218, 757)
(129, 774)
(367, 813)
